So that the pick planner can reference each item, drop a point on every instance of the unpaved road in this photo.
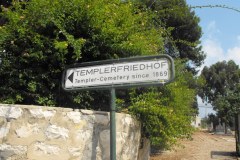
(203, 146)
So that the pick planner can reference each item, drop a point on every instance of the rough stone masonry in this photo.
(49, 133)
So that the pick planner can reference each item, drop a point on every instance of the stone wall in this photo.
(48, 133)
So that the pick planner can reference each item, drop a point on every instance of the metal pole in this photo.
(113, 125)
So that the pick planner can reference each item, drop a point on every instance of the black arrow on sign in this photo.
(71, 77)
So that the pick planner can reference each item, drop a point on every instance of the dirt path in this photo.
(204, 146)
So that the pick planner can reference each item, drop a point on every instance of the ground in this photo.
(203, 146)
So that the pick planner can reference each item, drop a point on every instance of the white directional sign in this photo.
(118, 73)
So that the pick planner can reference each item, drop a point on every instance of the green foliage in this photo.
(228, 106)
(220, 78)
(41, 37)
(222, 88)
(182, 34)
(165, 112)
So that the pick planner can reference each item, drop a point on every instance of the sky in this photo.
(221, 34)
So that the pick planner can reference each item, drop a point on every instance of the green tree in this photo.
(41, 37)
(222, 88)
(182, 30)
(212, 118)
(220, 78)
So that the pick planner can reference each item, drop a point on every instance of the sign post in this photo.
(113, 125)
(118, 73)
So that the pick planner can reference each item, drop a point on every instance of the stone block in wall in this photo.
(44, 151)
(74, 116)
(127, 123)
(56, 132)
(27, 130)
(82, 125)
(144, 150)
(23, 132)
(102, 119)
(10, 112)
(126, 147)
(4, 130)
(104, 143)
(2, 121)
(75, 151)
(87, 112)
(40, 113)
(7, 151)
(83, 136)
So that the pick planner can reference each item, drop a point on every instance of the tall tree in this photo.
(182, 34)
(220, 78)
(222, 88)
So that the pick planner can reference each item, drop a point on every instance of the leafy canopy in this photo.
(182, 31)
(41, 37)
(222, 88)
